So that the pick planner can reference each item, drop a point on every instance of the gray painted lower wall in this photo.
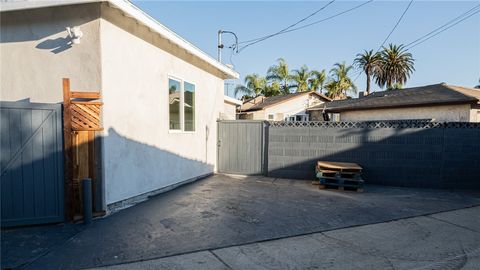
(425, 155)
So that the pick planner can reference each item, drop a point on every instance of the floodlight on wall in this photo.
(75, 34)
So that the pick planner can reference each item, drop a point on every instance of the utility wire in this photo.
(308, 25)
(398, 22)
(444, 27)
(389, 34)
(287, 28)
(295, 24)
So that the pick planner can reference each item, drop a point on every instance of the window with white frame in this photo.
(271, 116)
(335, 117)
(181, 98)
(297, 117)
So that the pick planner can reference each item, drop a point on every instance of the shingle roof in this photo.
(436, 94)
(274, 100)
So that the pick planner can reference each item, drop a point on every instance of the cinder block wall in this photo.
(410, 154)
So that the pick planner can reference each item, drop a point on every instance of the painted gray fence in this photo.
(240, 147)
(31, 162)
(398, 153)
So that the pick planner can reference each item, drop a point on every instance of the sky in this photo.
(452, 56)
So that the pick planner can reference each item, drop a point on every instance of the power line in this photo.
(295, 24)
(445, 27)
(398, 22)
(389, 34)
(310, 24)
(285, 29)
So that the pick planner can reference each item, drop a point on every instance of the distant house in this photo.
(230, 106)
(438, 102)
(291, 107)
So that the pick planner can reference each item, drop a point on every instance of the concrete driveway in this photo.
(447, 240)
(223, 211)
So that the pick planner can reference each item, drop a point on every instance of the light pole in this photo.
(220, 45)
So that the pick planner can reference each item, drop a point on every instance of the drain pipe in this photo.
(87, 200)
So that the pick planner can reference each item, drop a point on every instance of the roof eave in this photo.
(153, 24)
(232, 100)
(338, 110)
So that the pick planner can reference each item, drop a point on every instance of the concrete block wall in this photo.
(438, 155)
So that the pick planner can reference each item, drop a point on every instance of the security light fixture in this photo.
(75, 34)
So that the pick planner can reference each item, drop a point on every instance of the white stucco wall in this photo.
(475, 115)
(229, 111)
(439, 113)
(35, 54)
(140, 152)
(130, 65)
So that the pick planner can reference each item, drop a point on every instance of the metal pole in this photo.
(220, 46)
(87, 200)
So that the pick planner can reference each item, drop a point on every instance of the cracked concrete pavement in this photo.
(447, 240)
(223, 211)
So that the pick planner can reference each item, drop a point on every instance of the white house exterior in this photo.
(291, 107)
(152, 138)
(438, 102)
(230, 108)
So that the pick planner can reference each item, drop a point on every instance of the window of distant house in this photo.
(301, 117)
(335, 117)
(270, 117)
(189, 106)
(181, 98)
(174, 92)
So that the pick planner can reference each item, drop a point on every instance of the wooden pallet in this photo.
(339, 175)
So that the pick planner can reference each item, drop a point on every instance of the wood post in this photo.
(68, 151)
(81, 120)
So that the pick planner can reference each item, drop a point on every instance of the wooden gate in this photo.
(31, 162)
(82, 112)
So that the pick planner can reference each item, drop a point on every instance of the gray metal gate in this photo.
(241, 147)
(31, 162)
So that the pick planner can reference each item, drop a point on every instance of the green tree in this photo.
(332, 89)
(272, 89)
(254, 85)
(340, 81)
(478, 85)
(317, 79)
(281, 74)
(369, 62)
(300, 79)
(396, 66)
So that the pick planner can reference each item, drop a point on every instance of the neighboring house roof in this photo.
(430, 95)
(249, 103)
(231, 100)
(132, 11)
(265, 102)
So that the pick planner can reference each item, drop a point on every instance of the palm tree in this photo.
(317, 80)
(272, 89)
(332, 89)
(396, 66)
(254, 85)
(280, 74)
(300, 78)
(369, 62)
(342, 81)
